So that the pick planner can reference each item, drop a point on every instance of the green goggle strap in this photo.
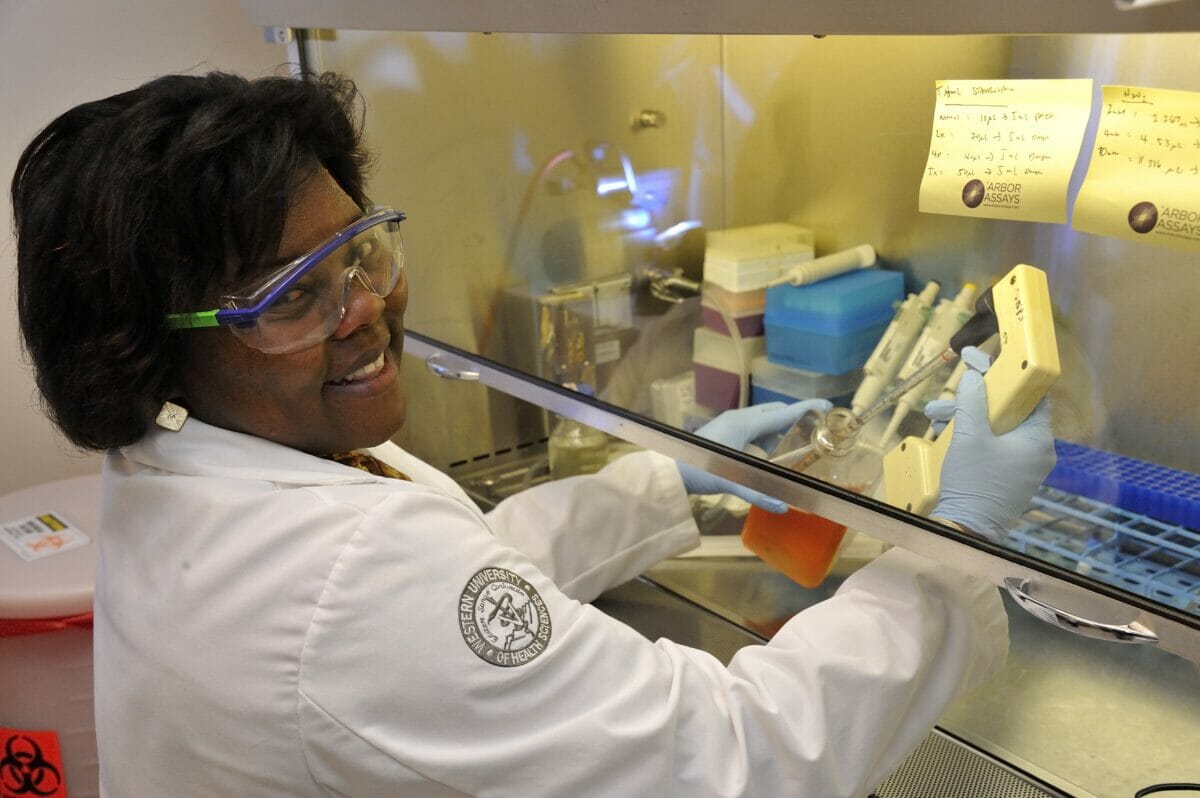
(185, 321)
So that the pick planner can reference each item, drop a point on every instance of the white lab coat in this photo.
(274, 624)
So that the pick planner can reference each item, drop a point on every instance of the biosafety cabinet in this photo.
(595, 189)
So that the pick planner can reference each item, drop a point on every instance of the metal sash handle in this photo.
(434, 364)
(670, 287)
(1133, 632)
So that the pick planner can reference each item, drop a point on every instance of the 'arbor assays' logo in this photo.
(993, 194)
(1143, 217)
(973, 192)
(1146, 217)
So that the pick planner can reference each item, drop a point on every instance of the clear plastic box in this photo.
(774, 382)
(747, 258)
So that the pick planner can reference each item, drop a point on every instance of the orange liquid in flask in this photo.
(800, 545)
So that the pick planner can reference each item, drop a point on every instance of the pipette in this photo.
(826, 266)
(950, 388)
(1018, 308)
(948, 318)
(836, 432)
(949, 391)
(889, 354)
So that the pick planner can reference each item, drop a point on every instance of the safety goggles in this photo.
(302, 303)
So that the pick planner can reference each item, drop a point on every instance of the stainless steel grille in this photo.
(943, 767)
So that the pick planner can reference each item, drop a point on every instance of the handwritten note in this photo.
(1143, 182)
(1005, 149)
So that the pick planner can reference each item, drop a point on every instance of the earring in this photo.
(171, 416)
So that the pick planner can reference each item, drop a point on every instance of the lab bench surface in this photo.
(1064, 716)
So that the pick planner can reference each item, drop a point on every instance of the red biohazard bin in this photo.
(49, 536)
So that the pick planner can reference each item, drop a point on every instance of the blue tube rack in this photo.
(1131, 551)
(1136, 485)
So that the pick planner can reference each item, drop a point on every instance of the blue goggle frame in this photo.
(283, 279)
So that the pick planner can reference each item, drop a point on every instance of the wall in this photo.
(56, 54)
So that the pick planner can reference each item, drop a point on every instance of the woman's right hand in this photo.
(988, 480)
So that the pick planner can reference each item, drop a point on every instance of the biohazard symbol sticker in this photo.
(503, 618)
(30, 765)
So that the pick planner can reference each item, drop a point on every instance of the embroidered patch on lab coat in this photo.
(502, 617)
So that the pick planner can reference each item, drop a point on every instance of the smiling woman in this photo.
(158, 200)
(338, 393)
(287, 603)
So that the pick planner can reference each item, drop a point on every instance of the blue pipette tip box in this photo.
(831, 326)
(1136, 485)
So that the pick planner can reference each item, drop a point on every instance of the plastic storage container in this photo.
(48, 543)
(671, 397)
(831, 326)
(773, 382)
(721, 365)
(1135, 485)
(747, 258)
(1129, 550)
(743, 316)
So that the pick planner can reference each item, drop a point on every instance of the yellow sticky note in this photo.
(1143, 182)
(1005, 149)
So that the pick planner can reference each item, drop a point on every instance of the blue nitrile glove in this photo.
(736, 429)
(988, 479)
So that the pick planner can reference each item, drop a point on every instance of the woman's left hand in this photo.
(737, 429)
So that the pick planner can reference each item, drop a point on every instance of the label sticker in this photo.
(503, 618)
(608, 351)
(1005, 149)
(31, 765)
(1141, 181)
(41, 536)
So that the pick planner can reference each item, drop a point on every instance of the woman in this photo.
(206, 294)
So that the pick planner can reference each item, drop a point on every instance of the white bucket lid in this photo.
(59, 584)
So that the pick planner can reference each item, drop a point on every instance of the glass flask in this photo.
(799, 544)
(576, 449)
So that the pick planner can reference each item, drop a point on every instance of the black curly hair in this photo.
(151, 201)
